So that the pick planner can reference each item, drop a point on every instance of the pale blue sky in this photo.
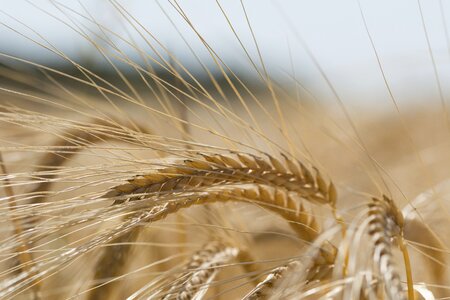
(333, 30)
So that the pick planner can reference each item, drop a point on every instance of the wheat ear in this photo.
(220, 169)
(207, 170)
(385, 223)
(278, 201)
(321, 265)
(200, 271)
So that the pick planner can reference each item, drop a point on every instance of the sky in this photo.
(291, 34)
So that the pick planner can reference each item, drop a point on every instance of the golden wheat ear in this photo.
(275, 200)
(206, 170)
(209, 176)
(213, 178)
(305, 277)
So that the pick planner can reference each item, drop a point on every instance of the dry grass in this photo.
(174, 189)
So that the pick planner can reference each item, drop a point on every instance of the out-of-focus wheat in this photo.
(167, 187)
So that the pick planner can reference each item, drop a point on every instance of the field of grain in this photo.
(154, 183)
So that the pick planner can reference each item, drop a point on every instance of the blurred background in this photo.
(411, 39)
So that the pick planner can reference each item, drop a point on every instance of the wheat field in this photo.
(150, 181)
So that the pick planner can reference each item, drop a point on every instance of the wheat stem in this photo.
(408, 270)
